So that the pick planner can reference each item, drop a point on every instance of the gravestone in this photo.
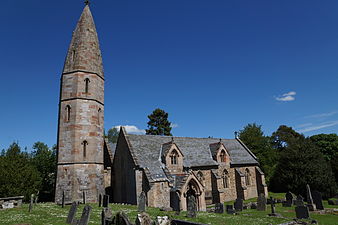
(289, 199)
(142, 200)
(302, 212)
(121, 219)
(31, 203)
(219, 208)
(143, 219)
(106, 216)
(310, 205)
(317, 199)
(8, 205)
(84, 220)
(100, 200)
(105, 201)
(63, 199)
(261, 202)
(163, 220)
(238, 204)
(72, 213)
(299, 201)
(191, 206)
(36, 198)
(230, 209)
(273, 208)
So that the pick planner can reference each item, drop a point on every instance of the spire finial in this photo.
(87, 2)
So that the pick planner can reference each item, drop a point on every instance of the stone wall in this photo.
(159, 195)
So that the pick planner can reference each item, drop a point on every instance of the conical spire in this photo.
(84, 52)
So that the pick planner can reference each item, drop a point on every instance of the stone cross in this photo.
(85, 215)
(142, 199)
(72, 213)
(191, 206)
(261, 202)
(273, 207)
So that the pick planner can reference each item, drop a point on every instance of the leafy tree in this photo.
(158, 123)
(300, 163)
(18, 175)
(327, 143)
(253, 137)
(44, 160)
(113, 134)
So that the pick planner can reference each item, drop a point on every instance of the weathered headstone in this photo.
(163, 220)
(219, 208)
(100, 200)
(105, 201)
(261, 202)
(106, 216)
(8, 205)
(317, 199)
(230, 209)
(192, 208)
(84, 220)
(63, 199)
(238, 204)
(142, 200)
(121, 219)
(143, 219)
(289, 199)
(72, 213)
(31, 203)
(273, 208)
(302, 212)
(310, 205)
(299, 201)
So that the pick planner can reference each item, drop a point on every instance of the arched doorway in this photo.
(193, 195)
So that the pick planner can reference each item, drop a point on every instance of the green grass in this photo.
(49, 213)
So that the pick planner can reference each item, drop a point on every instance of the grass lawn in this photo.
(49, 213)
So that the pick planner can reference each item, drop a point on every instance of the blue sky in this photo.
(214, 65)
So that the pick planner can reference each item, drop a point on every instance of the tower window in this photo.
(87, 81)
(223, 156)
(173, 157)
(84, 143)
(67, 113)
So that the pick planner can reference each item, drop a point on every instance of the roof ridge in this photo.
(207, 138)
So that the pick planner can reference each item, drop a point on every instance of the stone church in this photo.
(166, 169)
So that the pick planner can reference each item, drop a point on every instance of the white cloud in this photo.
(131, 129)
(318, 126)
(321, 115)
(174, 125)
(287, 97)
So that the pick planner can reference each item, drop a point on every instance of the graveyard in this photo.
(50, 213)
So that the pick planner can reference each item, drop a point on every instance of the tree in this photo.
(18, 175)
(327, 143)
(253, 137)
(300, 163)
(113, 134)
(44, 160)
(158, 123)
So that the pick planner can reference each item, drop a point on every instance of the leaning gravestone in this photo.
(72, 213)
(302, 212)
(191, 206)
(84, 220)
(317, 199)
(299, 201)
(121, 219)
(219, 208)
(238, 204)
(261, 202)
(310, 205)
(142, 199)
(289, 199)
(105, 201)
(230, 209)
(106, 216)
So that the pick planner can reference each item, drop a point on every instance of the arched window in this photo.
(174, 157)
(247, 177)
(87, 81)
(84, 143)
(225, 179)
(67, 113)
(223, 156)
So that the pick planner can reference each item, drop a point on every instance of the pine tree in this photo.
(158, 123)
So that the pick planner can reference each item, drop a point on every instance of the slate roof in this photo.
(147, 150)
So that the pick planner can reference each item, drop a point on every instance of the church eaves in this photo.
(84, 51)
